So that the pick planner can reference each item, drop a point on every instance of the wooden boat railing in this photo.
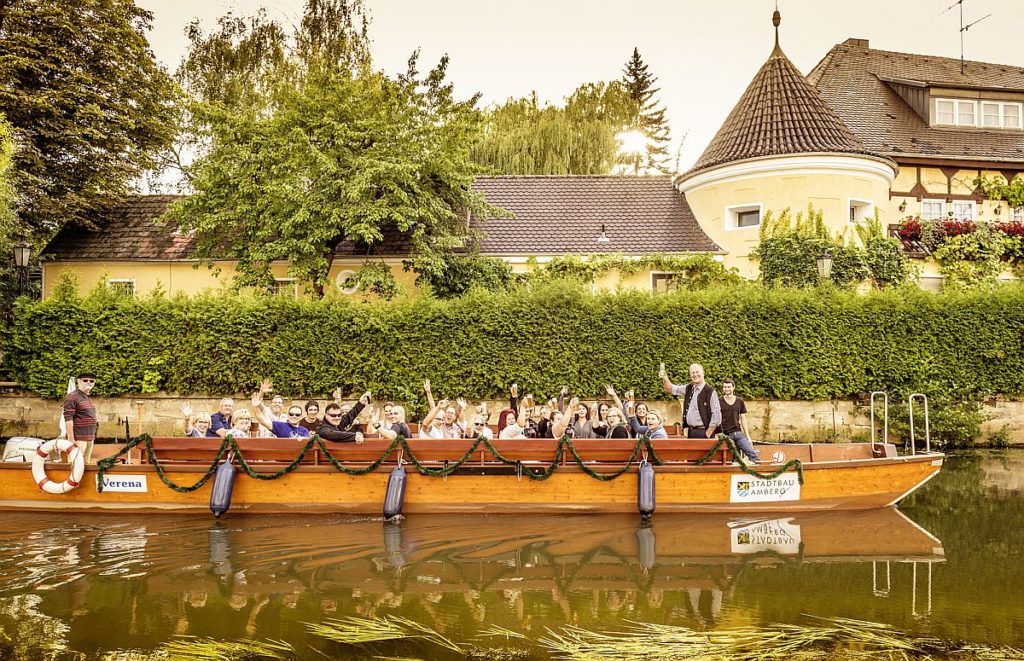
(178, 450)
(433, 451)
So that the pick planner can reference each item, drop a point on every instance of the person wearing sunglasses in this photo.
(288, 429)
(335, 424)
(80, 415)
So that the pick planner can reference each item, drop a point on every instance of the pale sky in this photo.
(703, 53)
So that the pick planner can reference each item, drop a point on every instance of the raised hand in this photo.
(336, 394)
(463, 404)
(186, 410)
(610, 390)
(366, 398)
(426, 386)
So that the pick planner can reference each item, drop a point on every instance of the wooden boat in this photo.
(693, 475)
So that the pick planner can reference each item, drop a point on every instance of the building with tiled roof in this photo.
(944, 121)
(547, 216)
(782, 146)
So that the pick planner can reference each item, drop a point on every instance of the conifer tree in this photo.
(648, 114)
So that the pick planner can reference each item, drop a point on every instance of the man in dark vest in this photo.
(703, 411)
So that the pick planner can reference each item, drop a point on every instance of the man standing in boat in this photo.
(702, 411)
(80, 415)
(734, 421)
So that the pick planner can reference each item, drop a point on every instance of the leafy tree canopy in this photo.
(523, 137)
(87, 103)
(305, 146)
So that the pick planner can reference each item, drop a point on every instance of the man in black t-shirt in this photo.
(734, 421)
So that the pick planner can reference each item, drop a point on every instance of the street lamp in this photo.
(824, 262)
(22, 253)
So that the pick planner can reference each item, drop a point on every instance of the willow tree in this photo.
(304, 146)
(523, 137)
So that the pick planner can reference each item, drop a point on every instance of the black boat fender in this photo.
(394, 497)
(645, 489)
(223, 485)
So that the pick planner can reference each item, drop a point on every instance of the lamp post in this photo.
(824, 263)
(22, 254)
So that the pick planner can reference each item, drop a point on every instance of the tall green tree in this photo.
(321, 149)
(87, 102)
(523, 137)
(648, 115)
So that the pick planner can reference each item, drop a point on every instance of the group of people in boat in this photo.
(704, 415)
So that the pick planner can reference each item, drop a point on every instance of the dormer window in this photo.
(1000, 115)
(978, 114)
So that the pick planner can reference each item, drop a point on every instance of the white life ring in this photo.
(39, 466)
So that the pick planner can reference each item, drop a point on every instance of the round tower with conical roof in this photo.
(782, 147)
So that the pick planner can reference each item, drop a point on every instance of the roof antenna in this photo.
(964, 28)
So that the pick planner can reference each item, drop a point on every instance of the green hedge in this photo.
(809, 344)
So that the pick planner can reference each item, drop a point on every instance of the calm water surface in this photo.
(948, 565)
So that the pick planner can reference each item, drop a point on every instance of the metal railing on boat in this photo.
(927, 429)
(885, 421)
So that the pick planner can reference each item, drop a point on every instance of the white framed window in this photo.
(287, 287)
(860, 209)
(966, 113)
(346, 282)
(945, 112)
(663, 280)
(1012, 115)
(990, 116)
(964, 210)
(743, 216)
(984, 114)
(1017, 213)
(124, 286)
(1000, 115)
(933, 209)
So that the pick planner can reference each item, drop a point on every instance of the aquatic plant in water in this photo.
(188, 648)
(827, 639)
(836, 638)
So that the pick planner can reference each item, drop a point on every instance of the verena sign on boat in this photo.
(123, 483)
(749, 489)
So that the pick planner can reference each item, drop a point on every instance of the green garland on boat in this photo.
(228, 443)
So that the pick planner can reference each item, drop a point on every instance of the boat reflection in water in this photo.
(265, 576)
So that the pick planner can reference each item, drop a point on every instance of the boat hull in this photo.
(830, 485)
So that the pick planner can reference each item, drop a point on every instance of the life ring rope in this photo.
(75, 458)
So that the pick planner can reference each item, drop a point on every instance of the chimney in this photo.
(857, 43)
